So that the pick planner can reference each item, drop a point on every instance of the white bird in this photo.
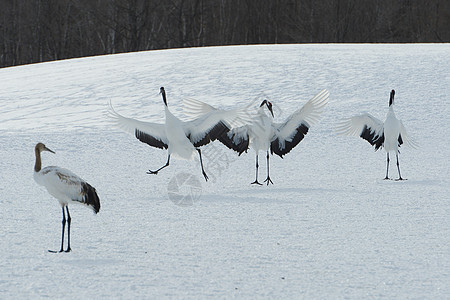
(180, 138)
(390, 134)
(263, 134)
(66, 187)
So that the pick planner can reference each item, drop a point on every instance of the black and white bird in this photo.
(390, 134)
(263, 134)
(65, 186)
(181, 139)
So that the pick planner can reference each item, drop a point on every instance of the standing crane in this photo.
(390, 134)
(65, 186)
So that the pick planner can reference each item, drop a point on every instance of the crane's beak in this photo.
(269, 106)
(271, 111)
(46, 149)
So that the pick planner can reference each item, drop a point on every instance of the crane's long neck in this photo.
(38, 164)
(262, 113)
(167, 112)
(169, 115)
(391, 105)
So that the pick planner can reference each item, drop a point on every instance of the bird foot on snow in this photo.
(268, 180)
(400, 179)
(60, 251)
(256, 182)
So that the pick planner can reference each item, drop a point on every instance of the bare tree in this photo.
(42, 30)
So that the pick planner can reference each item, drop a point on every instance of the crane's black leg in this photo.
(256, 180)
(201, 164)
(387, 167)
(156, 172)
(268, 180)
(62, 235)
(63, 229)
(69, 219)
(398, 167)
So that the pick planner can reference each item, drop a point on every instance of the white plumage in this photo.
(66, 187)
(390, 134)
(263, 134)
(181, 139)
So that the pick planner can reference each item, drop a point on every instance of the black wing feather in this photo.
(400, 140)
(214, 133)
(228, 139)
(149, 139)
(302, 130)
(372, 138)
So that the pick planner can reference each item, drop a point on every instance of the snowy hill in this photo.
(329, 226)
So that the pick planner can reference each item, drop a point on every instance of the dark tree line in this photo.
(42, 30)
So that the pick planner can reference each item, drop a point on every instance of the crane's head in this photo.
(162, 91)
(391, 99)
(268, 104)
(41, 147)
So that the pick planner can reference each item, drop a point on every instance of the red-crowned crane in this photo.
(263, 134)
(65, 186)
(390, 134)
(181, 139)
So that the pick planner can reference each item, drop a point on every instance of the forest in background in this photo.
(43, 30)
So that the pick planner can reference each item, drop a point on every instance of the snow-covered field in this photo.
(329, 227)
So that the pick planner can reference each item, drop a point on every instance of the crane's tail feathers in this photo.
(90, 197)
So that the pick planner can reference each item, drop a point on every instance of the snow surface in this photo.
(329, 227)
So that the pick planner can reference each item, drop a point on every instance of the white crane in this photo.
(390, 134)
(263, 134)
(181, 139)
(66, 187)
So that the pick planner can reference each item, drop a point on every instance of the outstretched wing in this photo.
(195, 108)
(150, 133)
(237, 117)
(206, 128)
(365, 126)
(293, 130)
(405, 138)
(212, 123)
